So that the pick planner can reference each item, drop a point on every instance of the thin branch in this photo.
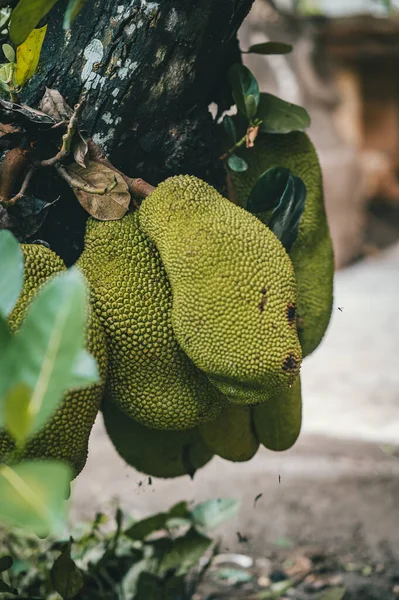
(82, 185)
(24, 187)
(66, 138)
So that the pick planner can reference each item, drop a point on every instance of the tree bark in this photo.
(149, 71)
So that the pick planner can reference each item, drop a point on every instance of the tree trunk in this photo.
(149, 71)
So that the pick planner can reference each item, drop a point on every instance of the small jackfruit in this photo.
(312, 253)
(233, 288)
(158, 453)
(65, 436)
(278, 421)
(149, 377)
(232, 435)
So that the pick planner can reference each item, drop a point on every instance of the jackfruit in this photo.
(278, 422)
(149, 377)
(232, 436)
(65, 436)
(233, 288)
(158, 453)
(312, 253)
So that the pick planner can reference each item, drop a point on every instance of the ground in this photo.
(336, 492)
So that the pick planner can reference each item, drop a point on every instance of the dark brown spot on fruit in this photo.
(290, 364)
(291, 313)
(263, 301)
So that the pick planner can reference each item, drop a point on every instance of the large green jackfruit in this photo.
(149, 377)
(65, 436)
(312, 253)
(232, 435)
(278, 422)
(158, 453)
(233, 288)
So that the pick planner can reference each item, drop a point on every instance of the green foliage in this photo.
(66, 578)
(236, 163)
(11, 272)
(163, 556)
(257, 112)
(281, 192)
(243, 84)
(25, 16)
(269, 48)
(73, 9)
(278, 116)
(37, 366)
(33, 495)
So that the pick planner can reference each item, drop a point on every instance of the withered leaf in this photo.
(80, 149)
(104, 207)
(24, 115)
(54, 105)
(251, 135)
(30, 214)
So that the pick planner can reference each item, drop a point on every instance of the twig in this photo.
(24, 187)
(82, 185)
(66, 138)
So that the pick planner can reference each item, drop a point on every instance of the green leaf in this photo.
(270, 48)
(44, 352)
(143, 528)
(230, 128)
(85, 371)
(9, 52)
(6, 563)
(236, 163)
(212, 513)
(250, 106)
(279, 116)
(17, 417)
(66, 578)
(32, 495)
(25, 16)
(286, 217)
(6, 589)
(333, 594)
(268, 189)
(243, 84)
(149, 587)
(185, 553)
(73, 9)
(179, 511)
(28, 55)
(11, 272)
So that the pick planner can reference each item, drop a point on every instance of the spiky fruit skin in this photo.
(232, 436)
(149, 377)
(66, 435)
(164, 454)
(278, 422)
(233, 287)
(312, 253)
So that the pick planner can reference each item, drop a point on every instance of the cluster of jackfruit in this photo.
(199, 321)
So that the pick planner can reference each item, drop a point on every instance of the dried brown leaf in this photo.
(251, 135)
(80, 150)
(104, 207)
(54, 105)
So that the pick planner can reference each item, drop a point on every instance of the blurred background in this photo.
(338, 488)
